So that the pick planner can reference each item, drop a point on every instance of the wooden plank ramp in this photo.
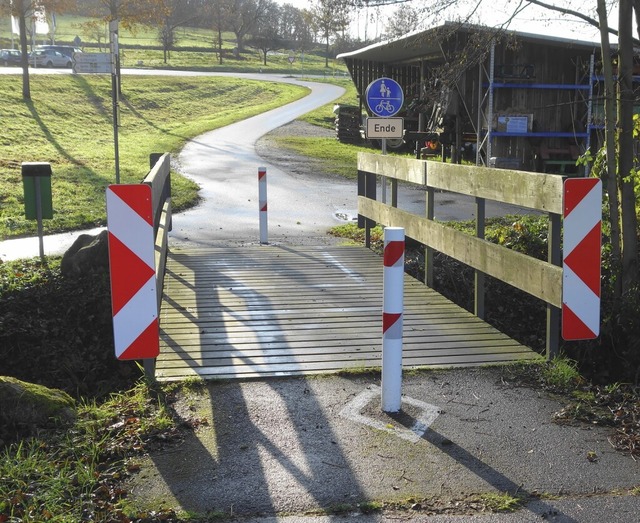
(246, 312)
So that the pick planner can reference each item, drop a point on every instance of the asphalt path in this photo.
(225, 165)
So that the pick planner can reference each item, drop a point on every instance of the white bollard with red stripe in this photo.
(581, 258)
(262, 202)
(132, 271)
(392, 321)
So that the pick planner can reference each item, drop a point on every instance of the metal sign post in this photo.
(113, 38)
(262, 204)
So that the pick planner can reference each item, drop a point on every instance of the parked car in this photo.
(49, 58)
(10, 57)
(66, 50)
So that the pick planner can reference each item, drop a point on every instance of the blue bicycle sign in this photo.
(384, 97)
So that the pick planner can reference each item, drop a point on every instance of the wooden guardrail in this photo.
(159, 179)
(536, 191)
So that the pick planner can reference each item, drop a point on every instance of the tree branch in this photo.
(577, 14)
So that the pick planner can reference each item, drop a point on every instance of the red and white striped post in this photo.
(393, 289)
(581, 258)
(262, 203)
(134, 299)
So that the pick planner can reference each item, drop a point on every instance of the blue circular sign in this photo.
(384, 97)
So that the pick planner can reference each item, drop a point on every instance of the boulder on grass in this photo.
(30, 406)
(87, 254)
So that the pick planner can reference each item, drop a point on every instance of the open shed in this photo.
(501, 98)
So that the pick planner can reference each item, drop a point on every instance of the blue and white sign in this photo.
(384, 97)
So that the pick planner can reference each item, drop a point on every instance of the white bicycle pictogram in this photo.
(385, 105)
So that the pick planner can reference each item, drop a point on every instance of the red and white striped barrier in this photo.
(581, 258)
(132, 267)
(262, 203)
(392, 318)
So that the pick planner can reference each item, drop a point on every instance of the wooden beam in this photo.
(536, 277)
(538, 191)
(405, 169)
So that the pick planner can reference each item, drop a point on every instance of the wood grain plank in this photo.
(256, 311)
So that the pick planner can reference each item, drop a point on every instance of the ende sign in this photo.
(385, 127)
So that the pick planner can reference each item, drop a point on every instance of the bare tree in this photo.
(95, 30)
(171, 14)
(609, 174)
(404, 20)
(331, 17)
(243, 17)
(625, 147)
(219, 10)
(267, 36)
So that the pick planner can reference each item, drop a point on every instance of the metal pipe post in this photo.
(392, 319)
(262, 203)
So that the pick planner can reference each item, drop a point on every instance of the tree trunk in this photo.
(611, 181)
(239, 41)
(625, 161)
(326, 51)
(26, 87)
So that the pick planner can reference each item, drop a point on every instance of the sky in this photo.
(370, 22)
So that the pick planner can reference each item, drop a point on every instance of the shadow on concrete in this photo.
(492, 476)
(266, 452)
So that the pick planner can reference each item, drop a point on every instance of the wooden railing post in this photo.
(367, 188)
(555, 258)
(428, 251)
(479, 284)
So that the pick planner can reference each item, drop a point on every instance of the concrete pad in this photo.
(282, 447)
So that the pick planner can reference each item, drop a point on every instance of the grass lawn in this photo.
(68, 123)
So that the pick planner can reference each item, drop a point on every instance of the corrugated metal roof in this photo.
(426, 44)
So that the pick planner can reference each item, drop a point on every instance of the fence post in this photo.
(554, 256)
(428, 251)
(392, 319)
(479, 279)
(262, 203)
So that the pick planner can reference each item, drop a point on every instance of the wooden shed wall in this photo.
(560, 110)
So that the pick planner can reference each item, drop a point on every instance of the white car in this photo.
(49, 58)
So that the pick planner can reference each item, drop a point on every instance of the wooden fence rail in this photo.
(536, 191)
(159, 179)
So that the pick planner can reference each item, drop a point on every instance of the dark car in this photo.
(66, 50)
(10, 57)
